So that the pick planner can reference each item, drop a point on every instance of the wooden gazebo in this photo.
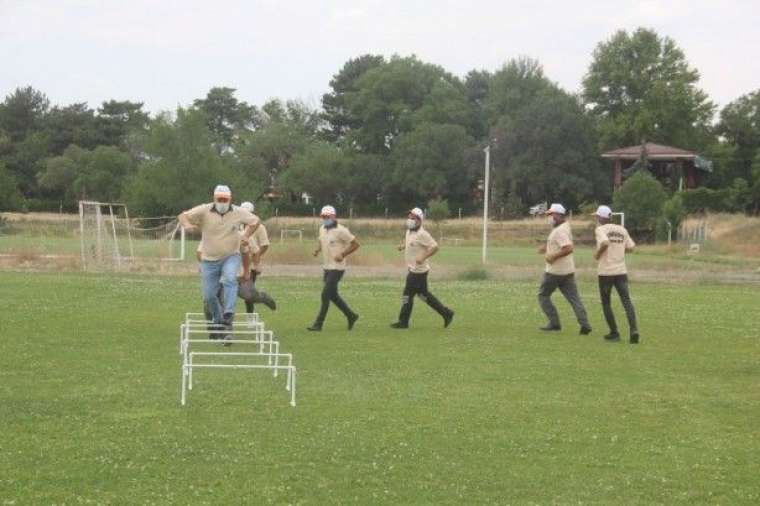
(676, 168)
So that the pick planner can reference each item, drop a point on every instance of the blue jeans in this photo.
(214, 273)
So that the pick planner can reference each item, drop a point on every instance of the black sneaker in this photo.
(447, 318)
(351, 320)
(551, 328)
(585, 331)
(634, 338)
(227, 340)
(399, 325)
(315, 327)
(612, 337)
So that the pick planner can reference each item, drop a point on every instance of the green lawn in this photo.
(489, 411)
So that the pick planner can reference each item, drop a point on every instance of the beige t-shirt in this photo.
(333, 242)
(612, 261)
(416, 243)
(255, 242)
(560, 236)
(219, 233)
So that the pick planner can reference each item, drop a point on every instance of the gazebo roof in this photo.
(654, 152)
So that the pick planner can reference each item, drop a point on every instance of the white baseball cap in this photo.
(556, 209)
(222, 190)
(248, 206)
(603, 211)
(328, 211)
(418, 213)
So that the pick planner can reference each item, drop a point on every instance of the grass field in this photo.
(489, 411)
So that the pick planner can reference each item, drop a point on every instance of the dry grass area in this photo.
(731, 233)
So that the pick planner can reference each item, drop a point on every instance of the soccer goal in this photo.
(109, 238)
(291, 232)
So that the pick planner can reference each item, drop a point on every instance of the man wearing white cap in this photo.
(612, 243)
(253, 249)
(418, 246)
(335, 242)
(219, 224)
(560, 272)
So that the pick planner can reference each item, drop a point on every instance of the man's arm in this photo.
(250, 229)
(600, 250)
(563, 252)
(353, 246)
(429, 252)
(184, 220)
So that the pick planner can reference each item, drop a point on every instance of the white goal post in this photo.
(109, 237)
(291, 231)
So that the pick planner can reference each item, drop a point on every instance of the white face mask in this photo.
(222, 207)
(550, 220)
(411, 224)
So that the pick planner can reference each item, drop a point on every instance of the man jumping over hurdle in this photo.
(219, 223)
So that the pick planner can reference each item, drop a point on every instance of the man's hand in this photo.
(339, 257)
(246, 276)
(542, 249)
(316, 252)
(420, 260)
(401, 247)
(549, 259)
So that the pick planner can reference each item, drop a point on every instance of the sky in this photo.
(168, 53)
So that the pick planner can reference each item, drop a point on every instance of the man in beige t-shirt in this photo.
(252, 250)
(418, 247)
(335, 243)
(612, 243)
(219, 223)
(560, 272)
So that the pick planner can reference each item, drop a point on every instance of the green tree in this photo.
(641, 198)
(640, 86)
(322, 170)
(392, 99)
(116, 119)
(545, 151)
(740, 128)
(22, 112)
(226, 116)
(429, 162)
(181, 167)
(438, 212)
(72, 124)
(336, 112)
(10, 198)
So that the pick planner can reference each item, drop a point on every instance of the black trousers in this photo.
(417, 284)
(620, 282)
(249, 303)
(568, 288)
(331, 278)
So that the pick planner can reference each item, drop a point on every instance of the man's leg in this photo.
(407, 300)
(325, 301)
(621, 285)
(432, 301)
(260, 296)
(605, 292)
(230, 269)
(339, 302)
(569, 289)
(548, 285)
(210, 274)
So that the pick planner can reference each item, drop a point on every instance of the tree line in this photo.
(390, 132)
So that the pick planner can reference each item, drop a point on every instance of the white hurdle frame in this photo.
(195, 323)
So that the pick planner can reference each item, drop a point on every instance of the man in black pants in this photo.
(335, 242)
(612, 243)
(252, 250)
(418, 246)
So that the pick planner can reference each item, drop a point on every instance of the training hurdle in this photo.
(251, 331)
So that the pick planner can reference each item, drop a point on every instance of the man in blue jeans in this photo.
(219, 224)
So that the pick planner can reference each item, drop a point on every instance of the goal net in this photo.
(109, 239)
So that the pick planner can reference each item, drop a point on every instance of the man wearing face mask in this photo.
(560, 272)
(418, 246)
(335, 242)
(253, 250)
(219, 224)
